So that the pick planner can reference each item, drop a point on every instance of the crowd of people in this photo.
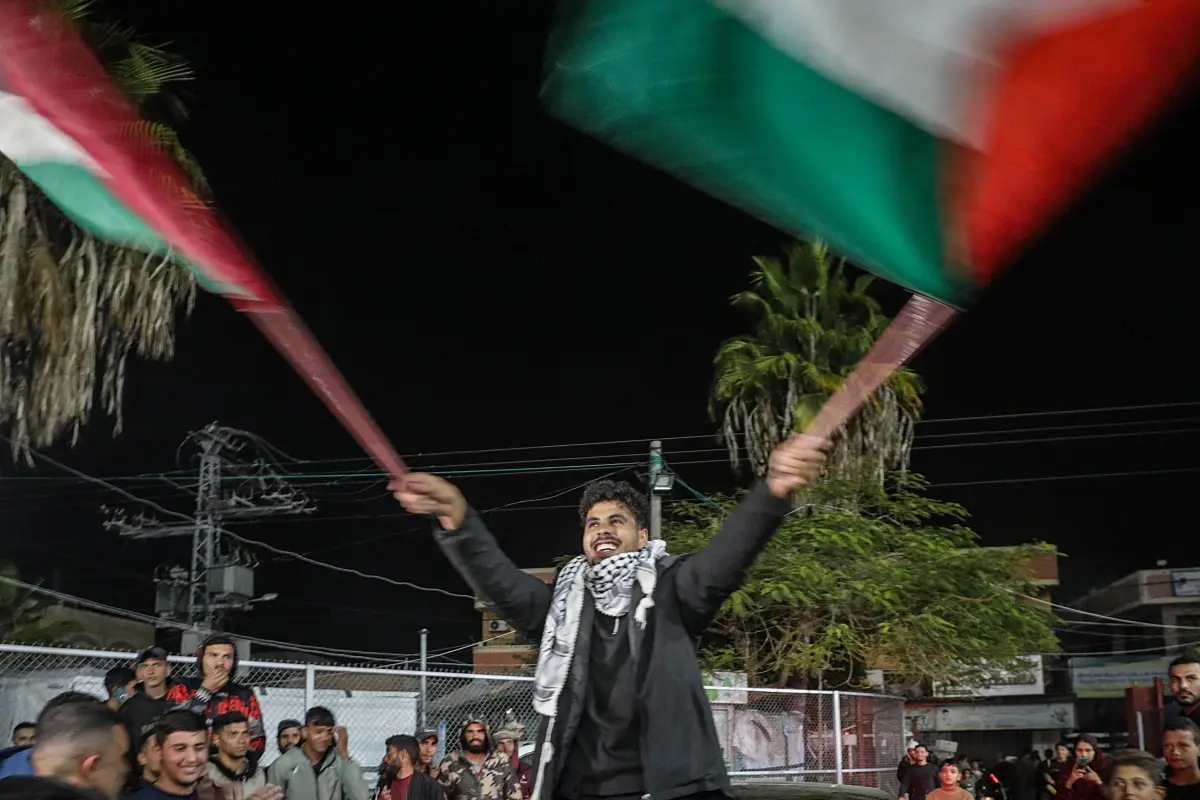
(156, 738)
(1082, 771)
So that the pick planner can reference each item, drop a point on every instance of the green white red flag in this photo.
(65, 125)
(931, 141)
(928, 140)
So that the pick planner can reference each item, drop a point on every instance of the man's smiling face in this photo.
(611, 528)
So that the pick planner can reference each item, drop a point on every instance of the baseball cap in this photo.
(151, 654)
(426, 734)
(289, 723)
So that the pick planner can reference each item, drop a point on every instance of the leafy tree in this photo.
(894, 581)
(813, 323)
(21, 614)
(74, 307)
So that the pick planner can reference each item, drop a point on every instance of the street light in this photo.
(663, 482)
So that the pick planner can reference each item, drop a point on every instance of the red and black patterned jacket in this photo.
(188, 694)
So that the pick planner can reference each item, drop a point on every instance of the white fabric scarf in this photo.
(611, 585)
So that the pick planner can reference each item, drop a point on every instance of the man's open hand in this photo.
(421, 493)
(794, 463)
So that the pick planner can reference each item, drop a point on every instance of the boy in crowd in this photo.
(949, 776)
(1136, 775)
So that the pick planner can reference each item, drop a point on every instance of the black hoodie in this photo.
(31, 787)
(138, 713)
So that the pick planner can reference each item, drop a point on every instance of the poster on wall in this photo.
(1028, 680)
(1027, 716)
(1102, 676)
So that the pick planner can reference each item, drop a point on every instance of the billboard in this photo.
(1031, 716)
(1110, 676)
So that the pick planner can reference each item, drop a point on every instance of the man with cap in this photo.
(427, 741)
(289, 735)
(907, 761)
(149, 699)
(508, 741)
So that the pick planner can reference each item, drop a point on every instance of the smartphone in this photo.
(121, 695)
(1082, 762)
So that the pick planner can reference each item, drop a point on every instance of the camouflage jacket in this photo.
(495, 779)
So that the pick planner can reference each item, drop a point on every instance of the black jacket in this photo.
(31, 787)
(138, 713)
(422, 787)
(670, 691)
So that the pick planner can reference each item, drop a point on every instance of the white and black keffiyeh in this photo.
(611, 585)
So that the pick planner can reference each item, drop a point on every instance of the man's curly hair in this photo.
(616, 492)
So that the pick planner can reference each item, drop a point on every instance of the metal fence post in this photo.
(310, 687)
(837, 737)
(424, 669)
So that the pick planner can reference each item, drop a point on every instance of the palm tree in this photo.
(74, 307)
(811, 327)
(21, 614)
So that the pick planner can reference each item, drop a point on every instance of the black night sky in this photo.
(488, 279)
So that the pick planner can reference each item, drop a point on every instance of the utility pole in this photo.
(221, 574)
(660, 480)
(206, 529)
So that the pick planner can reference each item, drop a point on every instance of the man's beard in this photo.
(476, 747)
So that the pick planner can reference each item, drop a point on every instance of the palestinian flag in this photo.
(931, 141)
(74, 135)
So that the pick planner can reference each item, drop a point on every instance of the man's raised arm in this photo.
(520, 598)
(709, 576)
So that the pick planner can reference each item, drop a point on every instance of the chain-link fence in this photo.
(766, 734)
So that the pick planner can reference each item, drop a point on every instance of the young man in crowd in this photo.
(427, 741)
(1181, 749)
(79, 755)
(232, 766)
(508, 741)
(921, 777)
(149, 762)
(23, 734)
(1183, 677)
(948, 779)
(399, 779)
(321, 767)
(477, 770)
(216, 692)
(1136, 775)
(16, 760)
(287, 735)
(149, 699)
(906, 760)
(612, 684)
(181, 742)
(119, 683)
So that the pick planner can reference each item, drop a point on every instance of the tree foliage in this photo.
(895, 580)
(72, 307)
(21, 615)
(813, 323)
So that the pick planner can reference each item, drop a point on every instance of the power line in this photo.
(146, 618)
(1050, 478)
(1051, 439)
(243, 539)
(1064, 412)
(1105, 617)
